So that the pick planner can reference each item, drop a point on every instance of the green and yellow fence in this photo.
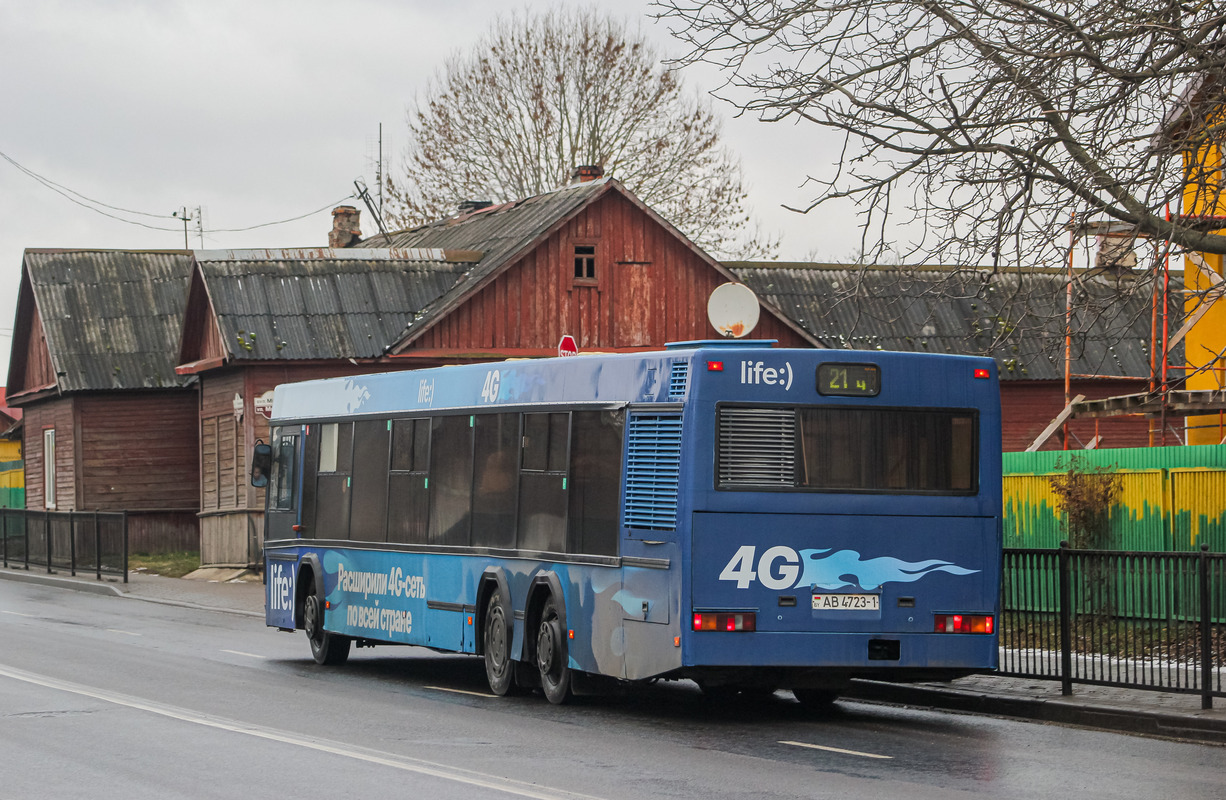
(12, 475)
(1172, 499)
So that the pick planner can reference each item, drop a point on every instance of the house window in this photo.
(585, 262)
(49, 468)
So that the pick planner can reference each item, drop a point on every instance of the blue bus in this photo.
(749, 517)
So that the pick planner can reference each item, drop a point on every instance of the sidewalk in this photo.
(1126, 710)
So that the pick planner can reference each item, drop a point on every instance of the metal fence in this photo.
(70, 541)
(1138, 620)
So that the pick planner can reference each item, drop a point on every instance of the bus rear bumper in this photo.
(868, 653)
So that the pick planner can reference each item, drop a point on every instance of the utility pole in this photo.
(184, 218)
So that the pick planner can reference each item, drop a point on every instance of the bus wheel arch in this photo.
(309, 581)
(496, 624)
(330, 649)
(546, 633)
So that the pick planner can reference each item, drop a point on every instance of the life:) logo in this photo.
(756, 372)
(280, 587)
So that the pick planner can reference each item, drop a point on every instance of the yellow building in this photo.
(1203, 199)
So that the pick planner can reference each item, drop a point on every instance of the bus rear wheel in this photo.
(496, 646)
(552, 660)
(327, 648)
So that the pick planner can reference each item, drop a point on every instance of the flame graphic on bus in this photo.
(845, 569)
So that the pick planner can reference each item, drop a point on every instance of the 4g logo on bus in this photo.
(781, 567)
(778, 568)
(493, 381)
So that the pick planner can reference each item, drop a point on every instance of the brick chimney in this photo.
(586, 172)
(345, 232)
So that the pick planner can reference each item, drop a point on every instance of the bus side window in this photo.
(332, 483)
(408, 495)
(496, 440)
(451, 480)
(542, 482)
(595, 482)
(368, 501)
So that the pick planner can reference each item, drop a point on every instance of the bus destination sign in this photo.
(849, 380)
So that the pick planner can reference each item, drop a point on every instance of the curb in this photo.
(75, 584)
(113, 590)
(1139, 721)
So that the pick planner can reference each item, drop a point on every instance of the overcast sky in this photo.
(264, 111)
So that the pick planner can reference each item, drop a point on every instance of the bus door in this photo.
(283, 512)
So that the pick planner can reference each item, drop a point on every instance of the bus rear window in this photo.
(820, 448)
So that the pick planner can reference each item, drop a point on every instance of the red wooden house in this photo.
(108, 424)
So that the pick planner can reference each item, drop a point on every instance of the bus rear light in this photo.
(982, 373)
(715, 366)
(964, 623)
(725, 621)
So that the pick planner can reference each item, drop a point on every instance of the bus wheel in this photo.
(816, 699)
(496, 645)
(551, 658)
(327, 648)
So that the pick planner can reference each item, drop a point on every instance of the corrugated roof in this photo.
(1017, 317)
(500, 232)
(319, 303)
(112, 317)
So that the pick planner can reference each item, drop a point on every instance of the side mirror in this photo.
(261, 463)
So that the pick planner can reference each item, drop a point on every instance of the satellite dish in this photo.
(733, 310)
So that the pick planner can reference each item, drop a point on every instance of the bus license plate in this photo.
(846, 602)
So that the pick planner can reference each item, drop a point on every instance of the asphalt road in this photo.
(117, 698)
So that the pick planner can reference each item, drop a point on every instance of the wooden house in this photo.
(108, 424)
(589, 260)
(495, 282)
(1017, 317)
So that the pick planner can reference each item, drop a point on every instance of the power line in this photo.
(72, 196)
(282, 221)
(61, 189)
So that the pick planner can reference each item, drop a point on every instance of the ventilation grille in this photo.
(653, 469)
(678, 379)
(757, 447)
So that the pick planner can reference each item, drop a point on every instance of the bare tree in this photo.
(543, 93)
(991, 122)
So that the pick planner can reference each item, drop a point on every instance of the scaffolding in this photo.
(1166, 398)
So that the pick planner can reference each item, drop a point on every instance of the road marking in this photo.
(125, 633)
(458, 691)
(434, 769)
(241, 653)
(18, 614)
(835, 750)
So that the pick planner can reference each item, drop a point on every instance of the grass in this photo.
(170, 565)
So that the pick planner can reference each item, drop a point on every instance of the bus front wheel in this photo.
(327, 648)
(552, 660)
(496, 646)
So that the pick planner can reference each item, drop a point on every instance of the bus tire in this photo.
(815, 699)
(552, 659)
(496, 647)
(329, 649)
